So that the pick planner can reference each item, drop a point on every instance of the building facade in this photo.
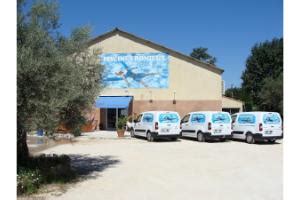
(140, 75)
(232, 105)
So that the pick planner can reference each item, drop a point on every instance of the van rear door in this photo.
(168, 123)
(221, 123)
(271, 124)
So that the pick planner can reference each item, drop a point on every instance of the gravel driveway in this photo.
(129, 168)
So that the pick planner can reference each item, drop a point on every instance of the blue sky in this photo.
(227, 28)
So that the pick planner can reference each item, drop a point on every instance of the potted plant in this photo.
(121, 126)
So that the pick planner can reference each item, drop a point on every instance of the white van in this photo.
(157, 124)
(257, 126)
(205, 125)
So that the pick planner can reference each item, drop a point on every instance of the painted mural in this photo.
(135, 70)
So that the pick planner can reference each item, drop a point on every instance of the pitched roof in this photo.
(156, 46)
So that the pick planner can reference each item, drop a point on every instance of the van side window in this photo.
(138, 119)
(233, 117)
(198, 118)
(246, 119)
(185, 119)
(148, 117)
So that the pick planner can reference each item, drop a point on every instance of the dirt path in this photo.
(120, 169)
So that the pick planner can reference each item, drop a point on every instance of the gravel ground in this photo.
(130, 168)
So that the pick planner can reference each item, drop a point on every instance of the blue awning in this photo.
(113, 101)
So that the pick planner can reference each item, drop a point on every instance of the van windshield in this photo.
(220, 118)
(271, 118)
(168, 118)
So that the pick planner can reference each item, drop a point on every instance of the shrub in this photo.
(43, 169)
(76, 131)
(121, 123)
(28, 181)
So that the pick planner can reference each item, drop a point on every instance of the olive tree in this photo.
(55, 74)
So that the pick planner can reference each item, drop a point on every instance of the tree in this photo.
(263, 67)
(53, 71)
(271, 95)
(202, 55)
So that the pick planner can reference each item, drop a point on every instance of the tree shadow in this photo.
(86, 166)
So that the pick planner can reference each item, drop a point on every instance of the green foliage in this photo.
(76, 131)
(121, 123)
(56, 75)
(271, 95)
(263, 68)
(43, 169)
(28, 181)
(202, 54)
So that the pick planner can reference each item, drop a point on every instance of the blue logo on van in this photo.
(148, 117)
(198, 118)
(246, 119)
(271, 118)
(168, 118)
(220, 118)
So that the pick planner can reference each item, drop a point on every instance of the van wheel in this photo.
(200, 137)
(250, 138)
(150, 137)
(132, 133)
(222, 139)
(174, 138)
(271, 141)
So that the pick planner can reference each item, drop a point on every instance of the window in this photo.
(220, 118)
(233, 117)
(271, 118)
(198, 118)
(246, 119)
(168, 118)
(138, 119)
(185, 119)
(148, 117)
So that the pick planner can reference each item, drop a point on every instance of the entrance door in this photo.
(113, 114)
(111, 118)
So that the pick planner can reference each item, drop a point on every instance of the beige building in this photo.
(232, 105)
(141, 75)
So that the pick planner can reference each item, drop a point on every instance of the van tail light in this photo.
(209, 126)
(260, 127)
(156, 125)
(180, 126)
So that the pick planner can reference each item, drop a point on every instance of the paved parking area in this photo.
(130, 168)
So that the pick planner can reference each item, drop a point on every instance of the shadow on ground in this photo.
(258, 142)
(86, 166)
(207, 140)
(157, 139)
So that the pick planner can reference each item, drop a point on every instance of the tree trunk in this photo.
(22, 149)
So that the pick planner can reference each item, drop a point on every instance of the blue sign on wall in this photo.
(135, 70)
